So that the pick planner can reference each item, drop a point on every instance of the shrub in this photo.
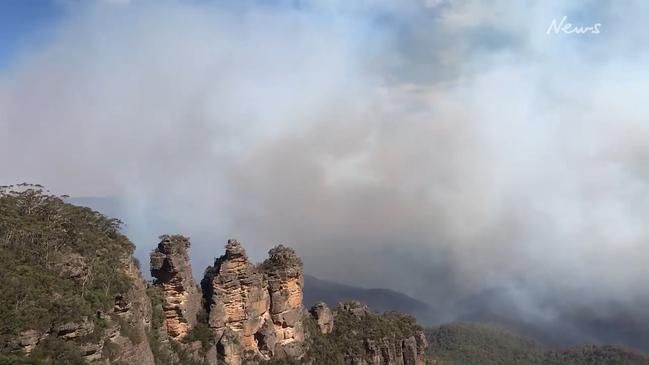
(129, 331)
(200, 332)
(57, 263)
(56, 352)
(351, 330)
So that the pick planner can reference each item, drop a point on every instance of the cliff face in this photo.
(172, 270)
(354, 335)
(285, 276)
(401, 347)
(115, 336)
(255, 312)
(72, 292)
(132, 314)
(238, 301)
(395, 351)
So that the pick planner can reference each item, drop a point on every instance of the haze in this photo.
(450, 150)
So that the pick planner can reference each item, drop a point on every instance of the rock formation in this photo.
(405, 351)
(124, 327)
(255, 312)
(387, 339)
(284, 272)
(128, 324)
(324, 317)
(238, 302)
(173, 273)
(88, 301)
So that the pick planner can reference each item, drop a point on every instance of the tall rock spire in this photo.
(172, 270)
(284, 272)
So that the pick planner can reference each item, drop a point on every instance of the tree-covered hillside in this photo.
(477, 343)
(60, 272)
(596, 355)
(361, 336)
(490, 344)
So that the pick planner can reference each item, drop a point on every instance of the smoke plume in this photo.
(451, 150)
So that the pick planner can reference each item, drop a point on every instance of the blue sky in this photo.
(25, 23)
(29, 24)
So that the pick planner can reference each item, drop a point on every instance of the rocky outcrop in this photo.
(407, 351)
(238, 301)
(129, 322)
(27, 340)
(172, 270)
(124, 339)
(255, 311)
(356, 308)
(78, 296)
(387, 339)
(284, 272)
(323, 316)
(121, 338)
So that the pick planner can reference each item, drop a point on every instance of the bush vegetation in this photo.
(201, 332)
(52, 351)
(489, 344)
(596, 355)
(57, 264)
(351, 330)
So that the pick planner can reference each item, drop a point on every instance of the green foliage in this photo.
(488, 344)
(183, 354)
(595, 355)
(323, 349)
(201, 332)
(160, 356)
(281, 256)
(14, 359)
(155, 294)
(58, 265)
(128, 331)
(473, 343)
(97, 334)
(350, 332)
(111, 350)
(55, 351)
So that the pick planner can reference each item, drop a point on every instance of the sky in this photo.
(455, 151)
(24, 24)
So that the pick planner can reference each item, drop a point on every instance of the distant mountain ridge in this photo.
(379, 300)
(74, 294)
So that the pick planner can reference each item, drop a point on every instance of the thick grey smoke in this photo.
(454, 151)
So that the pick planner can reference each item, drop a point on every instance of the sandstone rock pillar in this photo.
(172, 271)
